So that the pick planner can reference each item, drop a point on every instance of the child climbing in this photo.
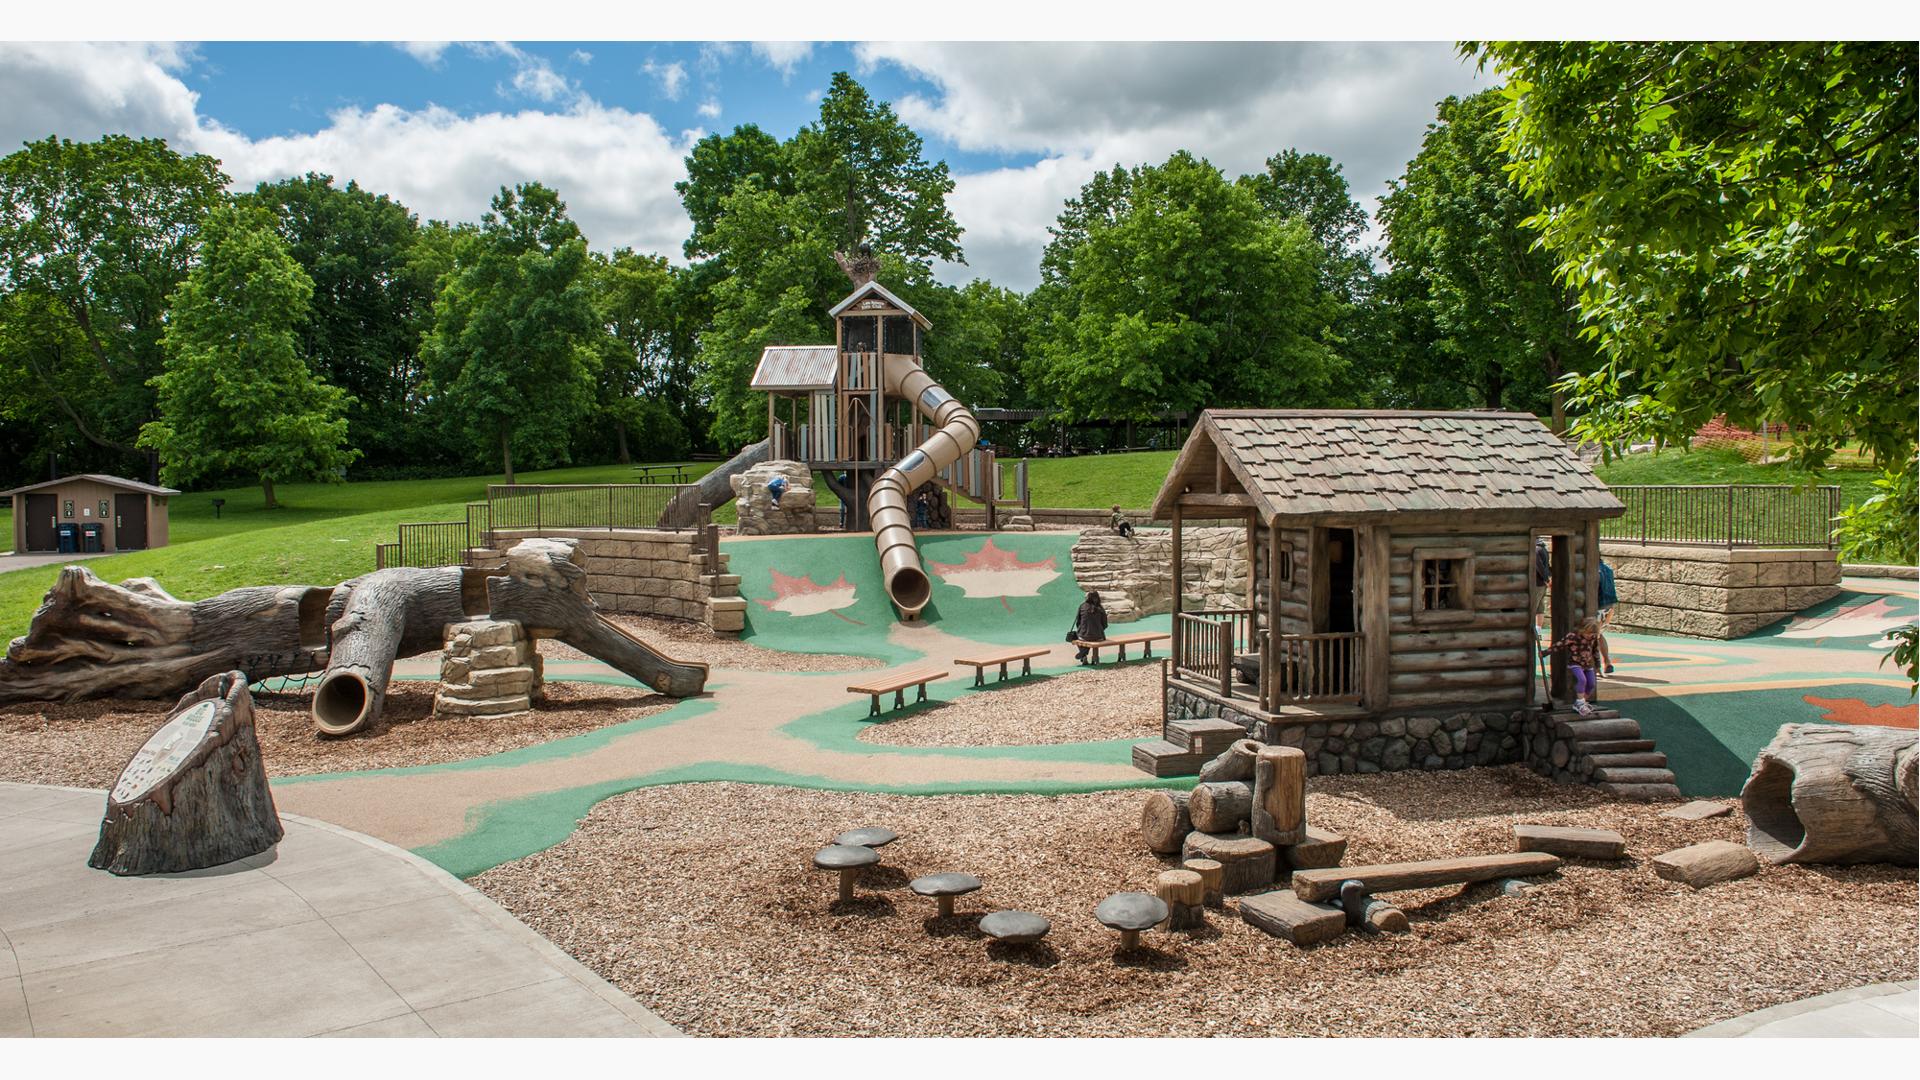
(1120, 523)
(776, 487)
(1583, 660)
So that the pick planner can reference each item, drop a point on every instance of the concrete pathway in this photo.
(21, 560)
(330, 933)
(1882, 1011)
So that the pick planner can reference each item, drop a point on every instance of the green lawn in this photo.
(1099, 481)
(1854, 477)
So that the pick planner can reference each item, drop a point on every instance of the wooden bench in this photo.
(897, 686)
(1145, 640)
(982, 661)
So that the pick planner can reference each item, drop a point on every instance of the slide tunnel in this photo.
(956, 433)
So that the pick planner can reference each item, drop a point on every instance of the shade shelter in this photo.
(89, 512)
(1392, 562)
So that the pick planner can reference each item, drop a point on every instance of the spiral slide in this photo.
(957, 432)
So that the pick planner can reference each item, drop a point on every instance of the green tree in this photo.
(105, 231)
(1174, 288)
(718, 165)
(865, 172)
(1309, 188)
(510, 359)
(643, 364)
(235, 397)
(362, 332)
(1737, 222)
(1505, 323)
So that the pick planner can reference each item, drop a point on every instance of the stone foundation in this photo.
(1718, 593)
(650, 572)
(1450, 740)
(754, 503)
(490, 669)
(1134, 577)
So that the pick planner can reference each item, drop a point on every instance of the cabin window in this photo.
(899, 335)
(1286, 564)
(1443, 584)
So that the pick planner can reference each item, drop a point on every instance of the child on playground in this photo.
(1120, 523)
(1583, 659)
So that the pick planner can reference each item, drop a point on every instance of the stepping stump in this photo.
(1185, 894)
(1711, 863)
(1285, 915)
(1280, 795)
(1571, 843)
(944, 888)
(1164, 822)
(873, 836)
(1246, 863)
(1209, 872)
(1320, 849)
(1015, 927)
(1130, 913)
(848, 860)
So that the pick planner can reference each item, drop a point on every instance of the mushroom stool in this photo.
(943, 888)
(1130, 913)
(848, 859)
(1015, 927)
(872, 836)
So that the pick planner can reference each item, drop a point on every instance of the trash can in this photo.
(69, 538)
(92, 537)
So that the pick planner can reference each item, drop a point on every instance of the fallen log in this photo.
(1320, 885)
(1821, 793)
(711, 490)
(195, 795)
(1220, 808)
(1164, 822)
(1234, 763)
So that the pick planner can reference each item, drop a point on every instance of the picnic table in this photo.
(661, 474)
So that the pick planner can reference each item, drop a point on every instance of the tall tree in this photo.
(1456, 223)
(865, 171)
(641, 370)
(363, 329)
(1174, 288)
(236, 398)
(511, 356)
(105, 230)
(1309, 188)
(720, 163)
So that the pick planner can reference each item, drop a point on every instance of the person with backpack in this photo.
(1608, 597)
(1089, 624)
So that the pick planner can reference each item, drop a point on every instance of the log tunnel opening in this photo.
(473, 592)
(314, 625)
(340, 703)
(1776, 831)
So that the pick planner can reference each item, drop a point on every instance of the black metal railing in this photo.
(1726, 515)
(541, 507)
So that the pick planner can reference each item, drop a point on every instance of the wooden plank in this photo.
(900, 682)
(1415, 641)
(1003, 656)
(1375, 614)
(1568, 842)
(1215, 501)
(1316, 886)
(1286, 916)
(1488, 678)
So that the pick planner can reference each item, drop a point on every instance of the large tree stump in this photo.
(1280, 795)
(1220, 808)
(196, 794)
(1825, 794)
(1246, 863)
(1164, 823)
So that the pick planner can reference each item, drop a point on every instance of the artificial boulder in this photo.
(758, 516)
(1821, 793)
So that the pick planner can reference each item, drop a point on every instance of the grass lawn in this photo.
(1853, 475)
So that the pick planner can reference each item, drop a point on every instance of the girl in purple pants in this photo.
(1583, 660)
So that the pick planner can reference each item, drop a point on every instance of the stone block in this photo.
(728, 620)
(1714, 574)
(1773, 573)
(502, 682)
(453, 669)
(1826, 571)
(1801, 597)
(484, 632)
(454, 705)
(1748, 601)
(1701, 865)
(499, 656)
(1285, 915)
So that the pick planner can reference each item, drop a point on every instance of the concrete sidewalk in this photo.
(330, 933)
(1882, 1011)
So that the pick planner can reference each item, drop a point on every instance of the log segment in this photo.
(1234, 763)
(196, 794)
(1185, 894)
(1220, 808)
(1711, 863)
(1209, 871)
(1320, 885)
(1821, 793)
(1246, 863)
(1164, 822)
(1280, 795)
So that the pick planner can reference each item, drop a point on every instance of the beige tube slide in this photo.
(957, 432)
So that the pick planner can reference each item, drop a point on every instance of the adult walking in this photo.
(1089, 624)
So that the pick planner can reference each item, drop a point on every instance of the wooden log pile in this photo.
(1248, 814)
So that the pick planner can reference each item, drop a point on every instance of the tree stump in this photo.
(196, 794)
(1209, 872)
(1164, 823)
(1825, 794)
(1280, 795)
(1185, 894)
(1234, 763)
(1220, 808)
(1246, 863)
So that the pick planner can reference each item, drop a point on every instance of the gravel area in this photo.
(701, 902)
(87, 743)
(696, 643)
(1079, 706)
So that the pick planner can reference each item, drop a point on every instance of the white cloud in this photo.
(614, 168)
(671, 77)
(709, 108)
(783, 55)
(580, 56)
(427, 52)
(1088, 107)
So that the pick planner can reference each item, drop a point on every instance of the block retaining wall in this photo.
(1717, 593)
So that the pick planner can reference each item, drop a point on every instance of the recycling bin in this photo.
(93, 537)
(68, 537)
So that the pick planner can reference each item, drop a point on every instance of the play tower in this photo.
(865, 415)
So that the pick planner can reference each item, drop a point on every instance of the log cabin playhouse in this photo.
(1388, 622)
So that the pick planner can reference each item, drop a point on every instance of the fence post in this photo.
(537, 529)
(609, 507)
(1730, 491)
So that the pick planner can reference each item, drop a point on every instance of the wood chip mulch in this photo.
(87, 743)
(1079, 706)
(701, 902)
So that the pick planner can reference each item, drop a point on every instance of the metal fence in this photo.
(1726, 515)
(579, 506)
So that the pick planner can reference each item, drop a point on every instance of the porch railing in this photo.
(1206, 643)
(1725, 515)
(1314, 667)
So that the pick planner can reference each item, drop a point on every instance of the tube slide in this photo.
(958, 431)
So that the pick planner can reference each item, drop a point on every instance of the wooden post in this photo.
(1179, 584)
(1376, 586)
(1267, 658)
(1560, 621)
(1185, 894)
(1280, 795)
(1591, 594)
(1210, 872)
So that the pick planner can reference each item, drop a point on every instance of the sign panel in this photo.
(165, 752)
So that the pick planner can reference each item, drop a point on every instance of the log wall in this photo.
(1478, 657)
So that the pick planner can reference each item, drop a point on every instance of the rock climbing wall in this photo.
(490, 669)
(757, 514)
(1134, 574)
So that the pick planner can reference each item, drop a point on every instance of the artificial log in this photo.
(1185, 894)
(1234, 763)
(1379, 917)
(1220, 808)
(195, 795)
(1280, 795)
(1318, 885)
(1164, 821)
(1246, 863)
(683, 510)
(1821, 793)
(1209, 872)
(389, 614)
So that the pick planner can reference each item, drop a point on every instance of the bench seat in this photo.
(981, 661)
(897, 686)
(1144, 639)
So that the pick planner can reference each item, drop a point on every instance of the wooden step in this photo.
(1613, 746)
(1633, 776)
(1203, 736)
(1568, 712)
(1591, 730)
(1162, 758)
(1641, 792)
(1650, 760)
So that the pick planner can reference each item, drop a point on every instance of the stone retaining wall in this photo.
(1718, 593)
(1453, 740)
(634, 571)
(1134, 574)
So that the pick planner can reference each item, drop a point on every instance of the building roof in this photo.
(873, 288)
(1361, 464)
(795, 367)
(98, 478)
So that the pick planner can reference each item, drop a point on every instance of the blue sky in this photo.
(1022, 126)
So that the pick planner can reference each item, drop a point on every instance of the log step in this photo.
(1201, 736)
(1162, 758)
(1633, 776)
(1571, 714)
(1651, 760)
(1641, 792)
(1613, 746)
(1593, 730)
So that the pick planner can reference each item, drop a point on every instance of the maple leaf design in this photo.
(993, 571)
(1855, 711)
(1871, 619)
(801, 596)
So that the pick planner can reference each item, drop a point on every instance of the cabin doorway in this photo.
(1552, 614)
(1333, 559)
